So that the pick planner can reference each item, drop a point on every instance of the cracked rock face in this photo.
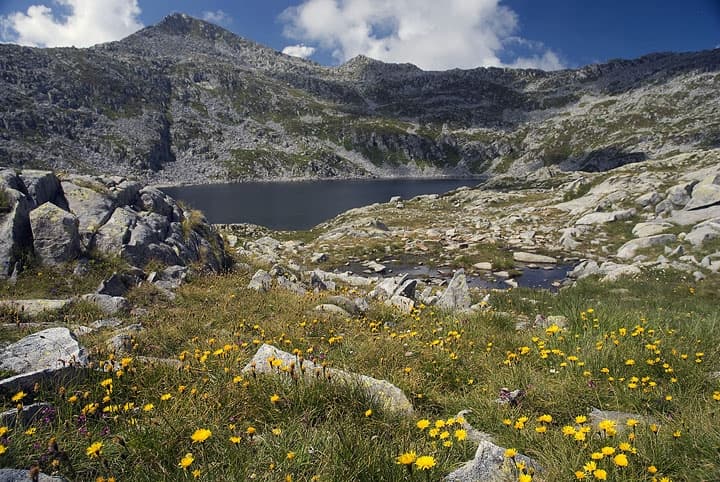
(52, 349)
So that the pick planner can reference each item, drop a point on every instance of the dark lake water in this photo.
(300, 205)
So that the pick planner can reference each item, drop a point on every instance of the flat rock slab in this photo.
(387, 394)
(629, 249)
(524, 257)
(491, 465)
(21, 475)
(53, 349)
(34, 307)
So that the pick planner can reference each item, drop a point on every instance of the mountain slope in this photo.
(187, 101)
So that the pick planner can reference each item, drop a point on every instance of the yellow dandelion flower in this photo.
(580, 419)
(652, 469)
(596, 456)
(290, 455)
(460, 434)
(250, 431)
(200, 435)
(94, 450)
(510, 453)
(368, 412)
(545, 418)
(3, 449)
(568, 430)
(276, 431)
(607, 450)
(580, 474)
(407, 458)
(274, 398)
(165, 396)
(425, 462)
(3, 430)
(600, 474)
(186, 461)
(590, 466)
(148, 407)
(525, 478)
(196, 473)
(423, 424)
(234, 439)
(541, 429)
(620, 460)
(18, 396)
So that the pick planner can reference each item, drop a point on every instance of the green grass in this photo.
(443, 363)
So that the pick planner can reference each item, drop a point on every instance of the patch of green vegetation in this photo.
(579, 191)
(37, 281)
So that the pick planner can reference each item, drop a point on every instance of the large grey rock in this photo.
(332, 309)
(524, 257)
(457, 295)
(491, 465)
(704, 232)
(584, 269)
(605, 217)
(652, 228)
(109, 305)
(347, 278)
(56, 236)
(116, 231)
(649, 199)
(705, 193)
(613, 271)
(154, 200)
(91, 206)
(126, 193)
(402, 303)
(386, 394)
(629, 249)
(22, 475)
(261, 281)
(43, 187)
(52, 349)
(15, 231)
(35, 307)
(679, 195)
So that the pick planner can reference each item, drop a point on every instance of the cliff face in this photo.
(187, 101)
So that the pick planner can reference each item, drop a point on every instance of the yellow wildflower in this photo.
(186, 460)
(200, 435)
(94, 450)
(407, 458)
(425, 462)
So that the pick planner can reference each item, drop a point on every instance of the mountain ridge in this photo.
(188, 101)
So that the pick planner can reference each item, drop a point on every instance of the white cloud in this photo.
(546, 61)
(86, 23)
(300, 50)
(429, 33)
(217, 17)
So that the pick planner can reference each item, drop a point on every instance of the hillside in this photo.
(187, 101)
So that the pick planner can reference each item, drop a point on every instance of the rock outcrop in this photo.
(387, 395)
(60, 220)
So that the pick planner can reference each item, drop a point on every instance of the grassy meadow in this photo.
(646, 346)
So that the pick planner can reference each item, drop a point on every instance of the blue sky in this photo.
(548, 34)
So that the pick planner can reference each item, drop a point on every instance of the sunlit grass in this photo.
(644, 346)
